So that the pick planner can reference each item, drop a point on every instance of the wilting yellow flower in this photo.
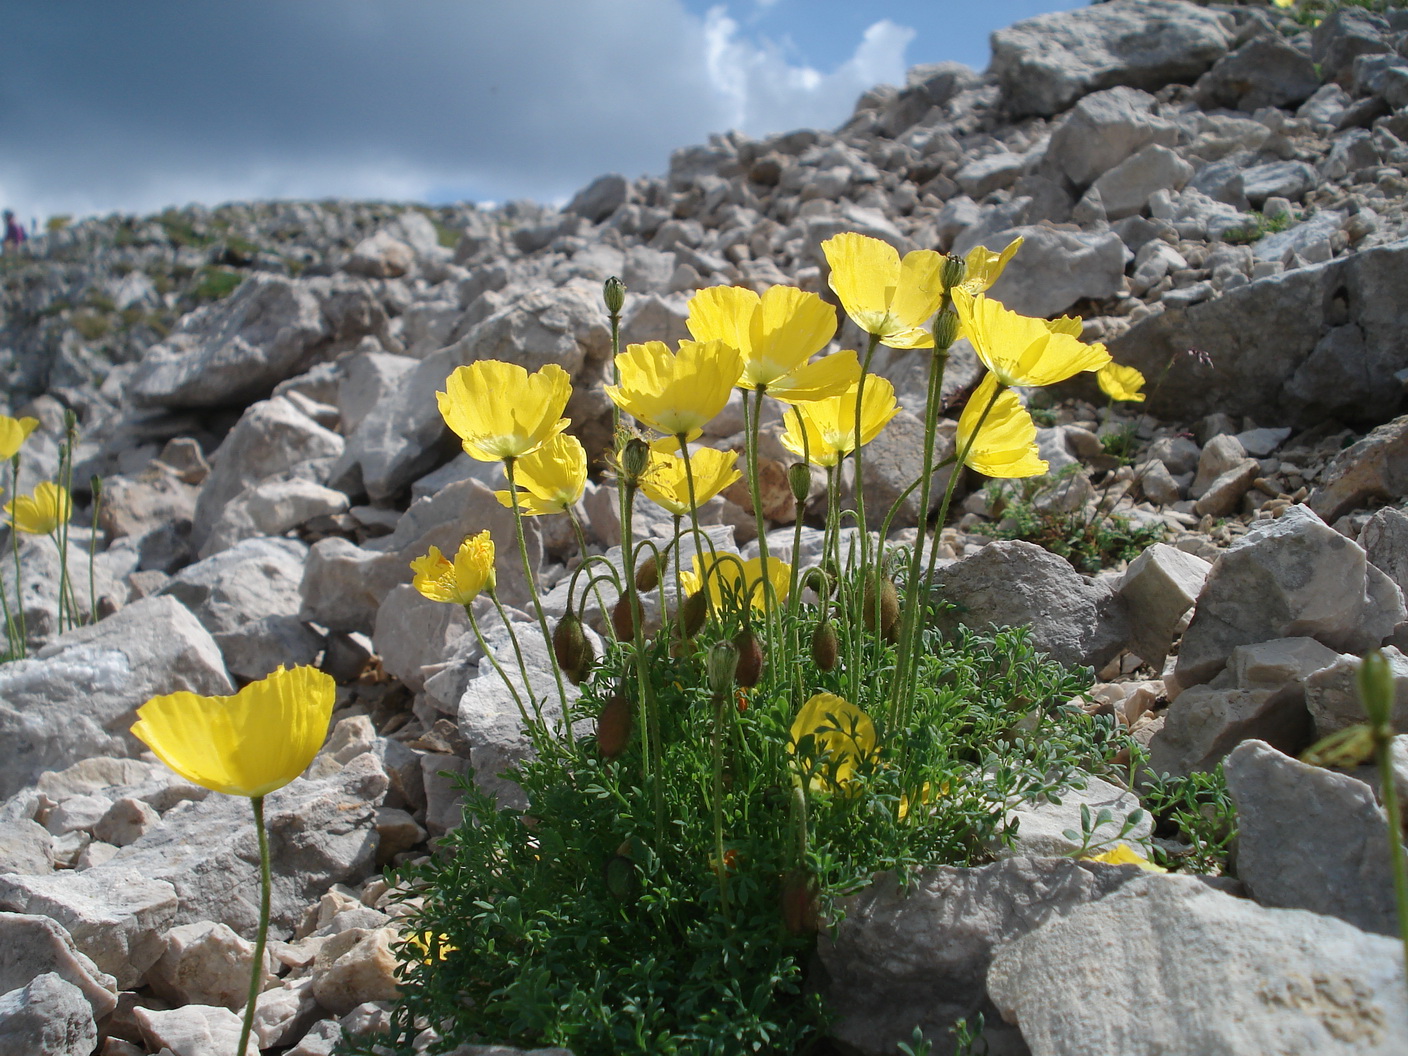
(885, 296)
(727, 582)
(829, 425)
(462, 580)
(1020, 350)
(1006, 442)
(984, 267)
(676, 393)
(13, 433)
(776, 334)
(666, 482)
(550, 478)
(1123, 854)
(43, 512)
(843, 735)
(1120, 382)
(249, 744)
(501, 411)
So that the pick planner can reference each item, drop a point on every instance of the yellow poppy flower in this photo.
(429, 947)
(501, 411)
(726, 582)
(843, 735)
(1120, 382)
(249, 744)
(676, 393)
(984, 267)
(1006, 443)
(550, 478)
(776, 334)
(1020, 350)
(885, 296)
(829, 425)
(459, 581)
(1123, 854)
(43, 512)
(13, 433)
(666, 482)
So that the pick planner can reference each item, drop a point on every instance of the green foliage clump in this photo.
(1199, 810)
(1258, 226)
(578, 922)
(215, 284)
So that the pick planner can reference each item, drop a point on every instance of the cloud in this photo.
(132, 107)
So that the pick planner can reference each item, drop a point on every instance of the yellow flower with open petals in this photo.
(829, 426)
(1124, 854)
(13, 433)
(459, 581)
(891, 298)
(248, 744)
(501, 411)
(1120, 382)
(550, 478)
(43, 512)
(843, 735)
(984, 267)
(730, 579)
(666, 482)
(1021, 350)
(676, 393)
(776, 334)
(1006, 442)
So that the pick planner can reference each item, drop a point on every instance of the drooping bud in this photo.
(817, 581)
(635, 460)
(799, 479)
(622, 619)
(574, 654)
(648, 573)
(619, 873)
(613, 292)
(693, 613)
(953, 271)
(750, 658)
(946, 327)
(613, 726)
(825, 645)
(801, 909)
(889, 608)
(720, 667)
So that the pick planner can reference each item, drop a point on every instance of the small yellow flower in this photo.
(727, 582)
(550, 478)
(667, 485)
(829, 425)
(885, 296)
(501, 411)
(42, 513)
(249, 744)
(1123, 854)
(776, 334)
(1020, 350)
(676, 393)
(1120, 382)
(460, 581)
(1006, 443)
(843, 735)
(13, 433)
(429, 947)
(984, 267)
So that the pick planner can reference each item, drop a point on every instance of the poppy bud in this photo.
(613, 726)
(801, 909)
(799, 479)
(825, 645)
(622, 619)
(568, 642)
(818, 581)
(720, 667)
(693, 613)
(613, 292)
(952, 272)
(750, 658)
(946, 326)
(648, 573)
(619, 873)
(635, 459)
(889, 608)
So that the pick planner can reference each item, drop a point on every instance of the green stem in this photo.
(532, 576)
(15, 546)
(860, 499)
(718, 797)
(93, 550)
(528, 723)
(256, 974)
(586, 556)
(652, 772)
(518, 652)
(1383, 756)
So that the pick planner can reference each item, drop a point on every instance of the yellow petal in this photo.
(13, 433)
(501, 411)
(724, 313)
(248, 744)
(42, 512)
(919, 293)
(675, 394)
(667, 481)
(789, 327)
(1021, 350)
(828, 376)
(459, 581)
(865, 273)
(1123, 854)
(1120, 382)
(550, 478)
(730, 579)
(1005, 445)
(842, 733)
(984, 267)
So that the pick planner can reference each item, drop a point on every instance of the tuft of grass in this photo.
(1259, 225)
(215, 283)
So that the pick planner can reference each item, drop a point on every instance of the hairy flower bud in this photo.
(799, 479)
(570, 647)
(889, 608)
(613, 292)
(648, 573)
(613, 726)
(946, 327)
(635, 459)
(825, 645)
(622, 619)
(817, 581)
(750, 658)
(953, 272)
(720, 667)
(801, 908)
(693, 613)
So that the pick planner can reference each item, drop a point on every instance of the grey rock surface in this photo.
(47, 1017)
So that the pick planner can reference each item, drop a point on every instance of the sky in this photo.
(133, 105)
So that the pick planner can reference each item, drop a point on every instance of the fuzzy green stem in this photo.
(860, 496)
(97, 488)
(652, 765)
(518, 652)
(15, 547)
(721, 863)
(256, 973)
(586, 556)
(1383, 749)
(528, 723)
